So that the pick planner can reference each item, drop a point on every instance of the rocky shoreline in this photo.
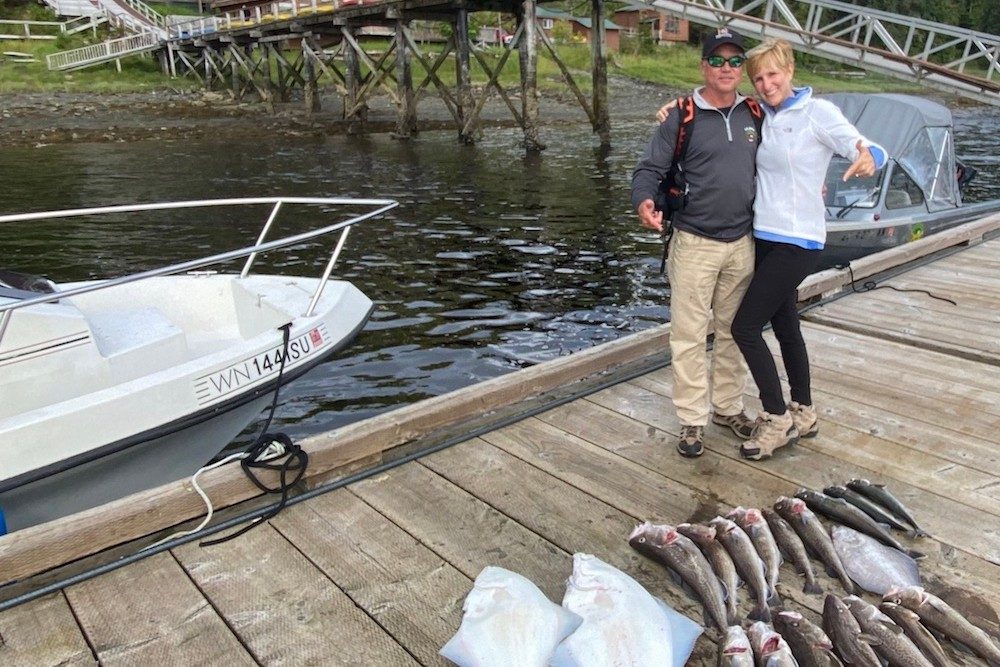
(40, 119)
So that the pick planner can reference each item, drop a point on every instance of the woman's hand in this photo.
(664, 111)
(864, 165)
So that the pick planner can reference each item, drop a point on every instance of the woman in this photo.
(800, 136)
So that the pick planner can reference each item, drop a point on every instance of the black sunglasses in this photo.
(718, 61)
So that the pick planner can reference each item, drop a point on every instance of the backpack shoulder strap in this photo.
(757, 113)
(686, 107)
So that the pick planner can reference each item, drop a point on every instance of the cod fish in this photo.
(718, 558)
(849, 515)
(917, 633)
(748, 564)
(622, 623)
(868, 506)
(890, 642)
(508, 621)
(753, 524)
(790, 544)
(881, 495)
(664, 544)
(770, 647)
(814, 535)
(734, 649)
(872, 565)
(841, 626)
(938, 615)
(810, 645)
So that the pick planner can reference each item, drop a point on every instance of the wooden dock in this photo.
(375, 573)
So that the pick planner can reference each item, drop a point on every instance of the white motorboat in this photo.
(113, 386)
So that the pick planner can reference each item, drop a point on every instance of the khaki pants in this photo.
(707, 282)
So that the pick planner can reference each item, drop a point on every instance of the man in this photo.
(711, 252)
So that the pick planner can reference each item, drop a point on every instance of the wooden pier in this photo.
(375, 572)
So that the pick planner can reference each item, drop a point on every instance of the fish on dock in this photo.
(734, 649)
(718, 558)
(891, 643)
(849, 515)
(810, 645)
(814, 535)
(917, 633)
(748, 564)
(664, 544)
(938, 615)
(790, 544)
(880, 494)
(770, 647)
(868, 506)
(753, 524)
(845, 632)
(873, 566)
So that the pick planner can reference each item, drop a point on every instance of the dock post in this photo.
(352, 79)
(599, 55)
(234, 71)
(463, 77)
(528, 55)
(311, 92)
(267, 89)
(406, 118)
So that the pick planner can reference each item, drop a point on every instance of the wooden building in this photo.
(666, 28)
(581, 26)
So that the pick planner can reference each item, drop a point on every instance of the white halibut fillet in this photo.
(623, 625)
(875, 567)
(508, 621)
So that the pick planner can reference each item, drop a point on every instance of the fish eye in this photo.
(641, 540)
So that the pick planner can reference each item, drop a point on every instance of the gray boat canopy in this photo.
(918, 135)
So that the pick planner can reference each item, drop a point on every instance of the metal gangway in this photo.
(147, 28)
(906, 47)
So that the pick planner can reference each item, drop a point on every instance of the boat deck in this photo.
(375, 573)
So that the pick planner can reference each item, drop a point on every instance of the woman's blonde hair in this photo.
(771, 53)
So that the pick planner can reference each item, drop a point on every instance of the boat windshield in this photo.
(855, 192)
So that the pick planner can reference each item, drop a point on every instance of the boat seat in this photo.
(119, 333)
(897, 199)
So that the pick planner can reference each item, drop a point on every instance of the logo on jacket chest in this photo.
(750, 132)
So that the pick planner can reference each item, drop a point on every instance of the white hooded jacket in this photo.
(798, 141)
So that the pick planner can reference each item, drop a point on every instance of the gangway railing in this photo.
(902, 46)
(48, 30)
(103, 52)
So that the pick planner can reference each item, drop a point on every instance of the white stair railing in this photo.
(103, 52)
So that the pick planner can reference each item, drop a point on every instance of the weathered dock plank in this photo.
(283, 609)
(151, 614)
(43, 632)
(410, 591)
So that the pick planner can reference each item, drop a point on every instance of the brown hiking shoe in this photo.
(774, 431)
(691, 443)
(806, 421)
(742, 425)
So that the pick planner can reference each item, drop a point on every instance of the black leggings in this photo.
(778, 270)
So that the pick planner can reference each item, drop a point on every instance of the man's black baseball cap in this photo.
(720, 37)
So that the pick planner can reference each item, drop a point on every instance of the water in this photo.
(494, 261)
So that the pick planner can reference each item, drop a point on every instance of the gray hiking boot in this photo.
(742, 425)
(806, 421)
(773, 431)
(691, 443)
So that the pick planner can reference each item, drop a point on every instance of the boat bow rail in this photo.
(377, 208)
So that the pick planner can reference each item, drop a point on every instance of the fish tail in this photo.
(916, 555)
(849, 586)
(760, 612)
(812, 587)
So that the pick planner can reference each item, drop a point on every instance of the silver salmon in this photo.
(665, 544)
(790, 544)
(918, 634)
(810, 645)
(718, 558)
(753, 524)
(938, 615)
(891, 642)
(748, 564)
(881, 495)
(814, 535)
